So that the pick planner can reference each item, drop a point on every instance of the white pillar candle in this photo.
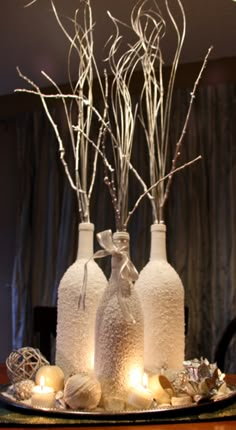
(43, 396)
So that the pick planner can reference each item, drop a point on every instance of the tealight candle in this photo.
(43, 396)
(161, 388)
(140, 397)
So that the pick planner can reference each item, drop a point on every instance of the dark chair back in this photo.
(45, 322)
(223, 344)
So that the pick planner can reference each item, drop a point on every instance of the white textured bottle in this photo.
(162, 296)
(76, 324)
(119, 331)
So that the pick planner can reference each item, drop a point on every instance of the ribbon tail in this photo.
(128, 271)
(82, 296)
(125, 309)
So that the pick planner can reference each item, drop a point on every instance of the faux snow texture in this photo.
(118, 339)
(162, 296)
(76, 325)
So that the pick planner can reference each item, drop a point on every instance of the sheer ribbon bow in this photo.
(128, 271)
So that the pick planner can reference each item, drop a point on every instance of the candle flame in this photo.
(135, 376)
(42, 382)
(145, 380)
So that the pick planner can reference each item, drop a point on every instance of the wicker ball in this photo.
(23, 364)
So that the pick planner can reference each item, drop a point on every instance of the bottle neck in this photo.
(121, 241)
(85, 245)
(158, 242)
(119, 282)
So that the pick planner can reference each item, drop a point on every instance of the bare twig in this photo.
(30, 3)
(156, 184)
(179, 143)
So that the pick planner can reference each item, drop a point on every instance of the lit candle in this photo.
(43, 396)
(161, 388)
(139, 396)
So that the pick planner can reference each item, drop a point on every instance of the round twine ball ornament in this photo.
(23, 364)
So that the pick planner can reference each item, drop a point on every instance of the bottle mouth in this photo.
(121, 235)
(86, 226)
(158, 227)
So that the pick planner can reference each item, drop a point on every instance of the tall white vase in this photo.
(119, 330)
(76, 324)
(162, 296)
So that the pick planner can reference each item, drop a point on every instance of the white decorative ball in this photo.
(82, 391)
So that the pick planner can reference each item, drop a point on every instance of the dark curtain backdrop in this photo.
(200, 218)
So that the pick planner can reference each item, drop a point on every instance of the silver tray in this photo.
(151, 414)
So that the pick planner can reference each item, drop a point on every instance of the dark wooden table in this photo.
(227, 424)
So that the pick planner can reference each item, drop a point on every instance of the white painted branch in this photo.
(179, 143)
(156, 184)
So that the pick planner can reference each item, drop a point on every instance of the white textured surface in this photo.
(82, 392)
(76, 326)
(162, 296)
(118, 341)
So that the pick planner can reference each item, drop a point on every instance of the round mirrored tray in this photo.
(160, 412)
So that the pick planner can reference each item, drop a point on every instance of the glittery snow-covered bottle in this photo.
(76, 324)
(119, 329)
(162, 296)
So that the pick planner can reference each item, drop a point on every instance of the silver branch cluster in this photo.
(119, 117)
